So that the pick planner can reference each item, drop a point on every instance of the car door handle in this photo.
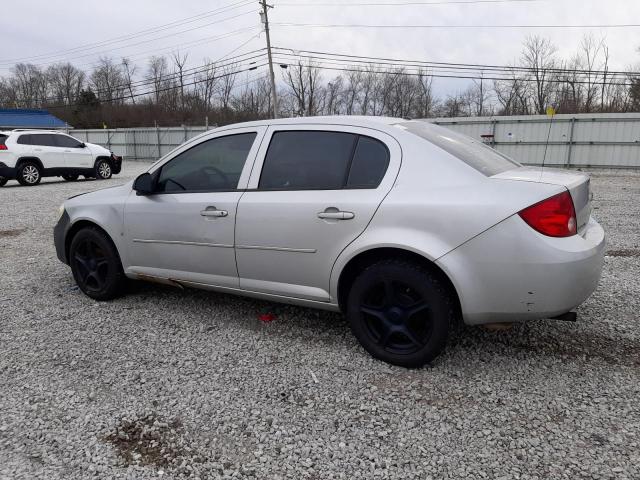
(37, 149)
(339, 215)
(213, 212)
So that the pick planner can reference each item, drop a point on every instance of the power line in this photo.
(400, 4)
(165, 89)
(413, 72)
(356, 25)
(150, 40)
(132, 35)
(446, 65)
(187, 73)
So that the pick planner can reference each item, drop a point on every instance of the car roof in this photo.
(354, 120)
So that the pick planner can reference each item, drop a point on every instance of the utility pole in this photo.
(265, 20)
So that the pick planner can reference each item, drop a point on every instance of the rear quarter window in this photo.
(474, 153)
(24, 140)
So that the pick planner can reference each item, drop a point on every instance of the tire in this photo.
(96, 265)
(3, 181)
(400, 313)
(103, 170)
(29, 173)
(70, 178)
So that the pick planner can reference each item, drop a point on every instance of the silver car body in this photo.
(273, 245)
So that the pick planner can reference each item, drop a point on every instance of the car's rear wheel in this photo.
(400, 312)
(3, 181)
(96, 265)
(70, 178)
(29, 173)
(103, 170)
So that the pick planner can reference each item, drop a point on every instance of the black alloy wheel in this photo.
(400, 312)
(96, 265)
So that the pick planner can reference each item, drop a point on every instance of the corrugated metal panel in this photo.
(608, 140)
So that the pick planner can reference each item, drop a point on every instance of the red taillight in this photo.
(3, 146)
(554, 216)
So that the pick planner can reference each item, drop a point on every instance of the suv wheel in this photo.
(103, 170)
(70, 178)
(3, 181)
(400, 313)
(96, 265)
(29, 173)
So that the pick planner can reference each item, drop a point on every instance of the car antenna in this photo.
(550, 113)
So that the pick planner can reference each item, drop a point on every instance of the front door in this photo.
(75, 153)
(315, 191)
(185, 231)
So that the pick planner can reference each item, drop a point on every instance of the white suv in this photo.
(29, 155)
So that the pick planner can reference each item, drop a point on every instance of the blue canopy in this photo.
(27, 118)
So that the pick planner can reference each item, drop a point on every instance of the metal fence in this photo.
(586, 140)
(139, 143)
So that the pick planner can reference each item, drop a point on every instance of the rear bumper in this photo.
(7, 172)
(513, 273)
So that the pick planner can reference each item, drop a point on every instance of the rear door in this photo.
(76, 155)
(45, 147)
(313, 190)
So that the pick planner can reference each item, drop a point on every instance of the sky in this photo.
(44, 32)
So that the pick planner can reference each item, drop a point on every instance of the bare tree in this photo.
(179, 60)
(157, 74)
(29, 83)
(107, 81)
(227, 82)
(65, 82)
(304, 83)
(128, 72)
(538, 56)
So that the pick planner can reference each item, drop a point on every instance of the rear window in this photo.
(24, 140)
(2, 139)
(474, 153)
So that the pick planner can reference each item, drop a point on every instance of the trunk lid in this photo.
(577, 183)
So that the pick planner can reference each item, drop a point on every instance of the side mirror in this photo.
(82, 145)
(143, 185)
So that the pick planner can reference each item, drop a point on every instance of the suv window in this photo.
(212, 165)
(322, 160)
(43, 139)
(2, 139)
(24, 140)
(472, 152)
(67, 142)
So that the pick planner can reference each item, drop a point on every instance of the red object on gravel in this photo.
(266, 317)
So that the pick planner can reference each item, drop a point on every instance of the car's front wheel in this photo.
(96, 265)
(3, 181)
(400, 312)
(29, 174)
(70, 178)
(103, 170)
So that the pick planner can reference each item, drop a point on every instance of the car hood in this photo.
(109, 194)
(97, 149)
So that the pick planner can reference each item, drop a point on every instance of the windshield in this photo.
(472, 152)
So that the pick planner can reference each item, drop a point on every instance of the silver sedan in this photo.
(404, 226)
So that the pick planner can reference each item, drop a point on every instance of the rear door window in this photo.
(474, 153)
(44, 140)
(369, 164)
(307, 160)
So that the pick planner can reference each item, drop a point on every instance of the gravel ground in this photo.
(168, 383)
